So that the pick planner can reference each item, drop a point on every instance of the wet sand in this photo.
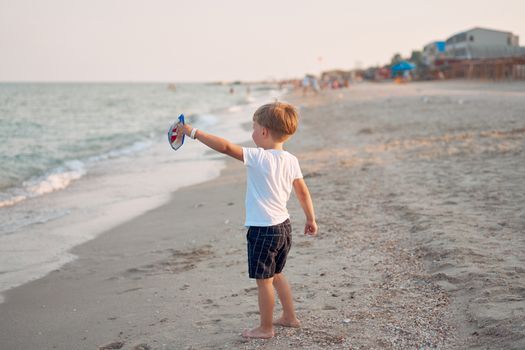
(420, 194)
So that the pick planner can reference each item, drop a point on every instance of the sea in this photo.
(77, 159)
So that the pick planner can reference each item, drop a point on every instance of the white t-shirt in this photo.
(270, 176)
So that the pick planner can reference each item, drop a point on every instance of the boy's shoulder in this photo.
(257, 155)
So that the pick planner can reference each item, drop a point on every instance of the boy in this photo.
(272, 172)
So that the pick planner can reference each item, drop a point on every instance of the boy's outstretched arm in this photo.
(303, 195)
(214, 142)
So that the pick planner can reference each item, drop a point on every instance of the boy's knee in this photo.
(265, 281)
(278, 276)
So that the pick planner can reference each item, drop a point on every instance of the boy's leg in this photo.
(266, 303)
(288, 318)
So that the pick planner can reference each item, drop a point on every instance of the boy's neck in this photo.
(274, 145)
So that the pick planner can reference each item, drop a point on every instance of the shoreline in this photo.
(405, 257)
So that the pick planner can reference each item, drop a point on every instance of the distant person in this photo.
(406, 75)
(232, 90)
(315, 84)
(306, 85)
(272, 173)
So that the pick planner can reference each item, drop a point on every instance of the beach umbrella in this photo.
(403, 66)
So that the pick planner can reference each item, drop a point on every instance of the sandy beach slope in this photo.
(420, 194)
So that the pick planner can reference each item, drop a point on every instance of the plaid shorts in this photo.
(268, 248)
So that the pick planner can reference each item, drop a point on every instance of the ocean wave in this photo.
(53, 180)
(61, 177)
(135, 148)
(12, 201)
(56, 179)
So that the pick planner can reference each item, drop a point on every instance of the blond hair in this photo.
(278, 117)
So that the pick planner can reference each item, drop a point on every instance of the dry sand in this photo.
(419, 191)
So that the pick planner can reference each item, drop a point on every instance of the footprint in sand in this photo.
(112, 346)
(329, 307)
(208, 322)
(142, 347)
(251, 290)
(210, 303)
(129, 290)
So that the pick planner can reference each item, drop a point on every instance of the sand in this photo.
(420, 194)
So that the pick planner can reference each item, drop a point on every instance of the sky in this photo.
(212, 40)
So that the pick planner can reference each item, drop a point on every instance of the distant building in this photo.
(479, 43)
(433, 51)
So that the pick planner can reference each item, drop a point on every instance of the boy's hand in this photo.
(310, 228)
(184, 128)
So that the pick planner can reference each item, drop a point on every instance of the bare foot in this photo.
(287, 323)
(258, 333)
